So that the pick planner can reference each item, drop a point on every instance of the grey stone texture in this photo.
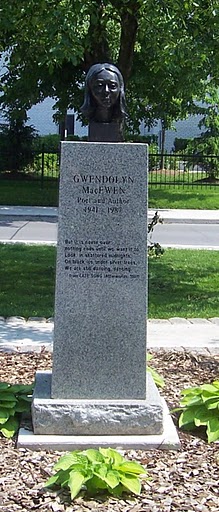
(100, 311)
(168, 440)
(95, 417)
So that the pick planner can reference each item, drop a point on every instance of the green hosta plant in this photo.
(200, 407)
(159, 381)
(97, 471)
(14, 399)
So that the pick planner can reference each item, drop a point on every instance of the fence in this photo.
(183, 170)
(42, 164)
(49, 165)
(164, 170)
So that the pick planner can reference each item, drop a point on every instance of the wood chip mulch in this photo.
(187, 480)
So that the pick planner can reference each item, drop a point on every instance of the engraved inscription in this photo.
(100, 259)
(102, 194)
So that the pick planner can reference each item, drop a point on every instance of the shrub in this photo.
(50, 143)
(16, 146)
(180, 144)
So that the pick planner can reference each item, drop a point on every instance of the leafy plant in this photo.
(159, 381)
(154, 248)
(14, 399)
(200, 407)
(98, 471)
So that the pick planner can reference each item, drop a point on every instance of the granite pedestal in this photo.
(101, 277)
(98, 381)
(94, 417)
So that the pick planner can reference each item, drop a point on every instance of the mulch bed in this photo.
(185, 481)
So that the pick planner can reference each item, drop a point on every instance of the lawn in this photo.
(27, 277)
(29, 192)
(182, 283)
(194, 197)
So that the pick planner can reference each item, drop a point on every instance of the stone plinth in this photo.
(98, 382)
(100, 311)
(95, 417)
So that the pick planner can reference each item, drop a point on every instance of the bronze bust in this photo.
(104, 103)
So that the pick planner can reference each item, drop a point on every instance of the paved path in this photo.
(194, 216)
(37, 231)
(177, 235)
(187, 235)
(28, 211)
(177, 333)
(181, 228)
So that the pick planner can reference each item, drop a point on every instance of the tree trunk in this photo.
(129, 27)
(99, 50)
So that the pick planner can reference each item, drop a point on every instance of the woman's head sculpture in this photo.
(104, 99)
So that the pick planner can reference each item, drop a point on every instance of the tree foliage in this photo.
(165, 51)
(16, 145)
(208, 142)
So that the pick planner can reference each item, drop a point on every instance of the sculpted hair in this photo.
(89, 106)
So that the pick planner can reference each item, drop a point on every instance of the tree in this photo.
(16, 146)
(181, 39)
(165, 51)
(207, 144)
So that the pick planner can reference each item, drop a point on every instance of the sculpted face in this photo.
(105, 89)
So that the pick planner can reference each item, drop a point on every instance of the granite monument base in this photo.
(70, 417)
(168, 440)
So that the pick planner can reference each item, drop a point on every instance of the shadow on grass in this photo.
(29, 193)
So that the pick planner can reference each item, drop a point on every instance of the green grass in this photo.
(28, 193)
(196, 197)
(27, 277)
(175, 176)
(182, 283)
